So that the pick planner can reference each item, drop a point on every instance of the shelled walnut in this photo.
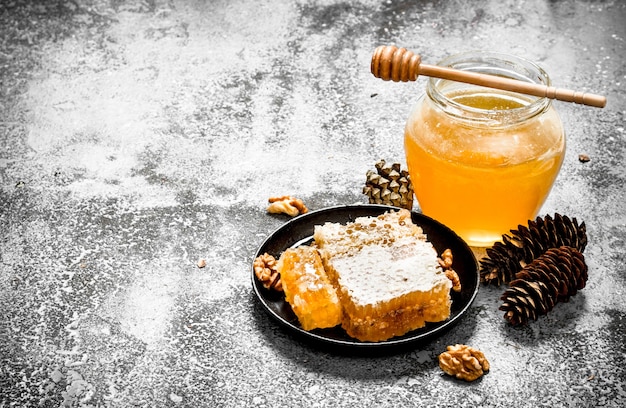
(463, 362)
(445, 260)
(265, 271)
(286, 205)
(454, 278)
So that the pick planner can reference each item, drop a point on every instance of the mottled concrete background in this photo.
(137, 137)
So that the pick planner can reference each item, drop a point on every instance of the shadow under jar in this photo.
(482, 161)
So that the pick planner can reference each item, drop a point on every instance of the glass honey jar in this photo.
(482, 161)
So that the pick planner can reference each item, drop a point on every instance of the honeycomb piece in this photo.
(307, 289)
(388, 275)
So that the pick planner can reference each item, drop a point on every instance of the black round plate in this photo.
(299, 231)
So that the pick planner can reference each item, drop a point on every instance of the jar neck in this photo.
(460, 100)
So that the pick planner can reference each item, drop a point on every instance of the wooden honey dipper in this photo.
(398, 64)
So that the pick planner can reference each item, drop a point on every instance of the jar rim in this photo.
(495, 63)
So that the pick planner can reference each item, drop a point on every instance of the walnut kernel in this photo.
(445, 261)
(265, 271)
(286, 205)
(463, 362)
(454, 277)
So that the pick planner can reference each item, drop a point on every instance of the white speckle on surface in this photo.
(176, 399)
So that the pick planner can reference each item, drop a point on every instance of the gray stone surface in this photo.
(138, 137)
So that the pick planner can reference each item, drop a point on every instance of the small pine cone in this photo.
(504, 259)
(553, 277)
(389, 185)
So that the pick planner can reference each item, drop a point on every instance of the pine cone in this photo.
(504, 259)
(389, 185)
(553, 277)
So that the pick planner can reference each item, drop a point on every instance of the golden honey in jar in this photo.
(482, 161)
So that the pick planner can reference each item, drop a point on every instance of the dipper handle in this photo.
(400, 65)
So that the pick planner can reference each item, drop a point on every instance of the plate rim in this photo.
(394, 342)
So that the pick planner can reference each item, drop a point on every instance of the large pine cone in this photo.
(504, 259)
(553, 277)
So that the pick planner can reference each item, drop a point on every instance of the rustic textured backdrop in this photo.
(137, 137)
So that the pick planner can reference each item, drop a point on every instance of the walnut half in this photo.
(287, 205)
(463, 362)
(454, 278)
(445, 260)
(265, 271)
